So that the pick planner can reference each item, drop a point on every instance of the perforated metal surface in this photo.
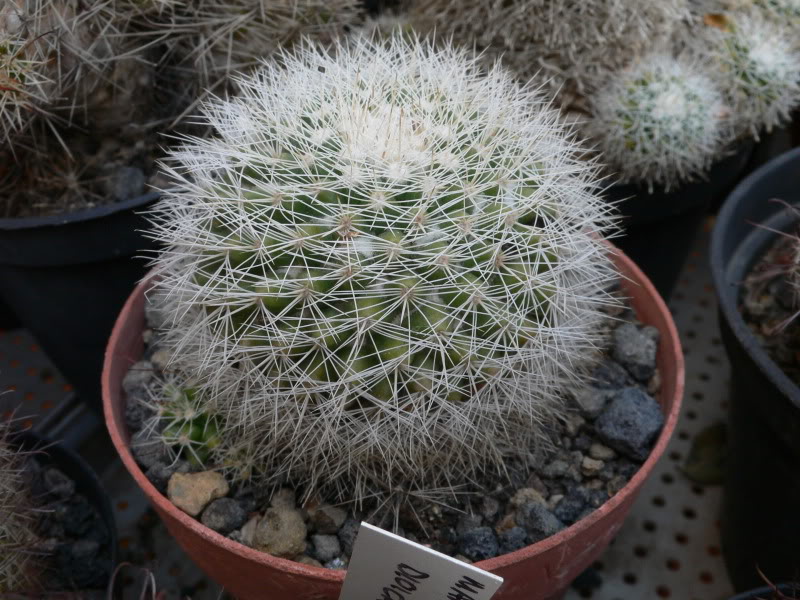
(669, 545)
(668, 548)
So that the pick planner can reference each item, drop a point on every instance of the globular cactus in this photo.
(383, 271)
(781, 9)
(661, 121)
(216, 38)
(570, 43)
(757, 62)
(18, 561)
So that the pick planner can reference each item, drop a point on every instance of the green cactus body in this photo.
(431, 238)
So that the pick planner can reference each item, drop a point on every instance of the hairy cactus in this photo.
(758, 64)
(17, 537)
(382, 272)
(662, 121)
(565, 42)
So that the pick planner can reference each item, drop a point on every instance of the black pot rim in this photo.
(752, 594)
(728, 302)
(22, 223)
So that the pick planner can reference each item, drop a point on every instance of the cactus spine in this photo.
(381, 272)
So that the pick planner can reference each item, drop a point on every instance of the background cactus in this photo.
(568, 44)
(662, 121)
(17, 537)
(757, 63)
(382, 272)
(77, 73)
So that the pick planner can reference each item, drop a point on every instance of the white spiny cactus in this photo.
(383, 270)
(220, 37)
(661, 121)
(757, 62)
(17, 537)
(572, 42)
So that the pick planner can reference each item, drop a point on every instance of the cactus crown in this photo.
(16, 526)
(382, 270)
(759, 69)
(661, 121)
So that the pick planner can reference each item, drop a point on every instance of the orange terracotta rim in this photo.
(636, 286)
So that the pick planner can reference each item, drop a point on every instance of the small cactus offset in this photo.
(382, 272)
(757, 62)
(662, 121)
(17, 536)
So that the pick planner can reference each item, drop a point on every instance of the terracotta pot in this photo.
(541, 571)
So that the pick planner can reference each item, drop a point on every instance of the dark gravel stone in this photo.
(635, 349)
(347, 535)
(512, 539)
(591, 401)
(148, 449)
(572, 505)
(57, 484)
(583, 443)
(160, 473)
(597, 498)
(468, 523)
(326, 547)
(478, 544)
(224, 515)
(538, 521)
(630, 423)
(609, 375)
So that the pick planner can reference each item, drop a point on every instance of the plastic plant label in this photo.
(385, 566)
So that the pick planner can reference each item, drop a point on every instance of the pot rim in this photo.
(728, 291)
(78, 216)
(670, 341)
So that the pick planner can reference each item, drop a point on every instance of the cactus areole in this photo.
(382, 272)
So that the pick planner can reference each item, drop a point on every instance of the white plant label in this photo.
(385, 566)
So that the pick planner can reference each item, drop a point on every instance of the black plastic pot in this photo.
(766, 593)
(66, 279)
(660, 227)
(86, 481)
(760, 517)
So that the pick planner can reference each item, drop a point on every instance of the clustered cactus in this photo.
(17, 536)
(587, 53)
(73, 73)
(380, 274)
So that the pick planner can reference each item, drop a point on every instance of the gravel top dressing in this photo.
(607, 435)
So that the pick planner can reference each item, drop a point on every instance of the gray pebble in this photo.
(538, 521)
(489, 508)
(572, 505)
(601, 452)
(630, 423)
(610, 375)
(336, 563)
(512, 539)
(224, 515)
(556, 468)
(160, 472)
(57, 484)
(326, 547)
(478, 544)
(591, 400)
(153, 313)
(347, 535)
(635, 349)
(148, 449)
(137, 378)
(468, 523)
